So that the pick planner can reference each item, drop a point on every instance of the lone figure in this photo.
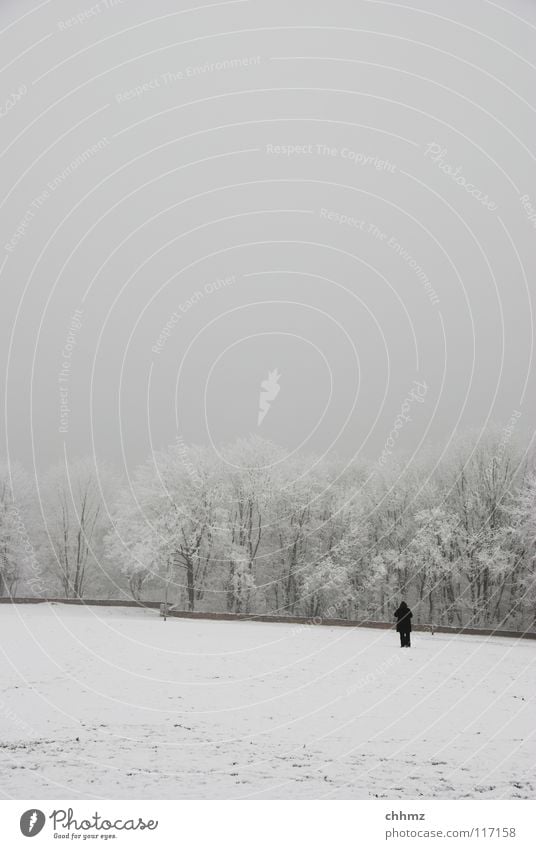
(403, 624)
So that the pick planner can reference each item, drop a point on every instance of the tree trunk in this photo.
(190, 583)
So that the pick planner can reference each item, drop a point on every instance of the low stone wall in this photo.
(345, 623)
(288, 620)
(102, 602)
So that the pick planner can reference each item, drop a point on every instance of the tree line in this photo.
(251, 530)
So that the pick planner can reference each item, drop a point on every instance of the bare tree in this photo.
(17, 553)
(75, 516)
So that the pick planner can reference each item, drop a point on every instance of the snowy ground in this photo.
(115, 703)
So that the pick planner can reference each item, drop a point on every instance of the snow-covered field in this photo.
(115, 703)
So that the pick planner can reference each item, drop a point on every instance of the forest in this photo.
(250, 529)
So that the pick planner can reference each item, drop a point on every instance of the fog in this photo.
(197, 196)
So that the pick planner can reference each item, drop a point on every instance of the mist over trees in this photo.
(16, 549)
(252, 530)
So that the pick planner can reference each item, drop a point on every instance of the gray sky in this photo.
(268, 184)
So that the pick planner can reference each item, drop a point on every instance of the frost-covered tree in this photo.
(327, 589)
(480, 480)
(431, 555)
(75, 506)
(18, 560)
(522, 536)
(130, 545)
(251, 479)
(169, 524)
(299, 493)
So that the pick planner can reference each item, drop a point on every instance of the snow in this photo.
(116, 703)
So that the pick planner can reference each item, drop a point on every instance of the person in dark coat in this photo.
(403, 624)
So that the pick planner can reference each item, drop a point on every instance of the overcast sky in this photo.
(343, 193)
